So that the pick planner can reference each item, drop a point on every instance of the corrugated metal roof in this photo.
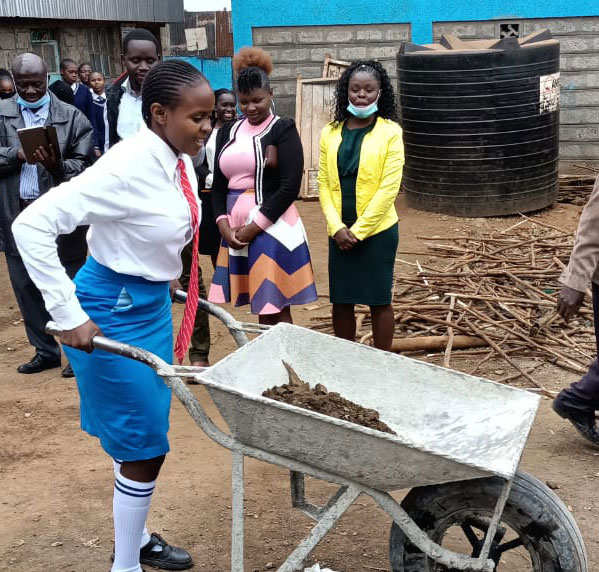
(113, 10)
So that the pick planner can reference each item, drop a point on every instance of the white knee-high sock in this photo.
(145, 536)
(131, 504)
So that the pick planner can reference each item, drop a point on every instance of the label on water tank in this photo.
(549, 93)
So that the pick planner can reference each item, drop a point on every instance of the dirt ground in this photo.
(56, 483)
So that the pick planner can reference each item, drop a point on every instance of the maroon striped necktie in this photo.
(191, 306)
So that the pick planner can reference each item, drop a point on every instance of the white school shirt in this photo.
(129, 120)
(210, 157)
(140, 221)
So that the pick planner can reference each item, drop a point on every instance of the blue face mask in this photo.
(34, 104)
(366, 111)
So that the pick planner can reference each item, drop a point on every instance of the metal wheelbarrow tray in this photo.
(450, 426)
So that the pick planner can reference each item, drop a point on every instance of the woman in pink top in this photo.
(264, 259)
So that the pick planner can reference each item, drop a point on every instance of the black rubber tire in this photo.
(545, 526)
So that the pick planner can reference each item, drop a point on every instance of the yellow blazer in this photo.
(377, 183)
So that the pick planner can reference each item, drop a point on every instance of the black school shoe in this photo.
(584, 422)
(169, 558)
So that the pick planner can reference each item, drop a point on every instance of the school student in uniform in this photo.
(82, 99)
(83, 72)
(141, 202)
(140, 54)
(97, 84)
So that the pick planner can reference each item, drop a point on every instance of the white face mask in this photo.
(362, 112)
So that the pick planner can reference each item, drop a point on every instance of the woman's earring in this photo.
(273, 107)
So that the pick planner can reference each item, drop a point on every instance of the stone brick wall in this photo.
(301, 51)
(73, 42)
(579, 69)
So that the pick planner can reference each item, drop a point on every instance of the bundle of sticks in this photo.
(488, 295)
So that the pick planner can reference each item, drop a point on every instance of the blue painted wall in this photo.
(218, 71)
(420, 13)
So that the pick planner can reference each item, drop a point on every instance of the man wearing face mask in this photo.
(22, 183)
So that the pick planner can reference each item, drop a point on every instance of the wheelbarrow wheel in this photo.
(537, 532)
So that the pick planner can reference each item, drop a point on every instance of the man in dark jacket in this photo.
(21, 183)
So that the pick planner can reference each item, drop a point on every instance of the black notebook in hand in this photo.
(33, 137)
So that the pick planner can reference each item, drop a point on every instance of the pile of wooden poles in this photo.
(486, 296)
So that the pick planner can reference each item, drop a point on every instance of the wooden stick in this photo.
(544, 224)
(487, 357)
(426, 343)
(524, 301)
(507, 358)
(507, 378)
(565, 359)
(450, 337)
(544, 321)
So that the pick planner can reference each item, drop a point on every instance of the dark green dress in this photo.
(364, 274)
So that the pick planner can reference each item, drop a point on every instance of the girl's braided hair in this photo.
(387, 106)
(252, 67)
(163, 85)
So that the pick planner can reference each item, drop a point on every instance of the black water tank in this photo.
(481, 124)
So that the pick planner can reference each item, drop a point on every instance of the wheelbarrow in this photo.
(458, 443)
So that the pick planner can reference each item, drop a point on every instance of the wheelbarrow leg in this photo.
(327, 519)
(238, 516)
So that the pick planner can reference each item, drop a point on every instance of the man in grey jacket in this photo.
(22, 183)
(579, 402)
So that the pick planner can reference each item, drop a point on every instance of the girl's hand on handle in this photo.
(345, 239)
(173, 286)
(81, 337)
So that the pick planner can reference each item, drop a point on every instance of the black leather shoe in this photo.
(68, 371)
(584, 422)
(169, 558)
(38, 363)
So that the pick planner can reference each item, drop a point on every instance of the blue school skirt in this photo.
(123, 402)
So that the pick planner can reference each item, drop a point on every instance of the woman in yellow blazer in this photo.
(361, 162)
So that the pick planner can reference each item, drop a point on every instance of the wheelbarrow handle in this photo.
(235, 327)
(114, 347)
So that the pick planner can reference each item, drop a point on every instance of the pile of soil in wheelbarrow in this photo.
(321, 400)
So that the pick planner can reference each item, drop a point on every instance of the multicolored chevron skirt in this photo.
(274, 271)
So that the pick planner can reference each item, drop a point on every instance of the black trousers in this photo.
(31, 304)
(583, 395)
